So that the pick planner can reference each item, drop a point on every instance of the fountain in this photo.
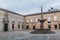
(42, 30)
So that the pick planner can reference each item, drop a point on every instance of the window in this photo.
(27, 20)
(49, 19)
(36, 20)
(55, 18)
(13, 19)
(31, 20)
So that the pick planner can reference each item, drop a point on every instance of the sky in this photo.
(26, 7)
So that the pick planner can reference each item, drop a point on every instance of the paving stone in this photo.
(24, 35)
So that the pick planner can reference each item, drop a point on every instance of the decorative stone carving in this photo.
(5, 19)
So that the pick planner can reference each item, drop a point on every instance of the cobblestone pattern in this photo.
(25, 35)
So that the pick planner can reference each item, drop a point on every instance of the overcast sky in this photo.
(29, 6)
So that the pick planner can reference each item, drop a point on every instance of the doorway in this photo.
(55, 26)
(18, 26)
(12, 26)
(33, 27)
(49, 26)
(59, 26)
(5, 26)
(27, 27)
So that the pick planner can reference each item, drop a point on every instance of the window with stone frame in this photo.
(31, 20)
(27, 20)
(49, 19)
(13, 19)
(55, 18)
(36, 19)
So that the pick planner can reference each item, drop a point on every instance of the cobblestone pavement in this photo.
(25, 35)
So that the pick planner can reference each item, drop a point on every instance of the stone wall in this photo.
(45, 16)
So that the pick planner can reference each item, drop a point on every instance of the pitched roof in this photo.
(30, 14)
(43, 13)
(10, 11)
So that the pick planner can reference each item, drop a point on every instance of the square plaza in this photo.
(29, 20)
(12, 21)
(25, 35)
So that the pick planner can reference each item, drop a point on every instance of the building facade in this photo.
(11, 21)
(52, 20)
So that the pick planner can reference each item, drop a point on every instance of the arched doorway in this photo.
(33, 27)
(5, 26)
(27, 27)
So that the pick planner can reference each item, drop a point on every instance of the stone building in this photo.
(10, 21)
(52, 20)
